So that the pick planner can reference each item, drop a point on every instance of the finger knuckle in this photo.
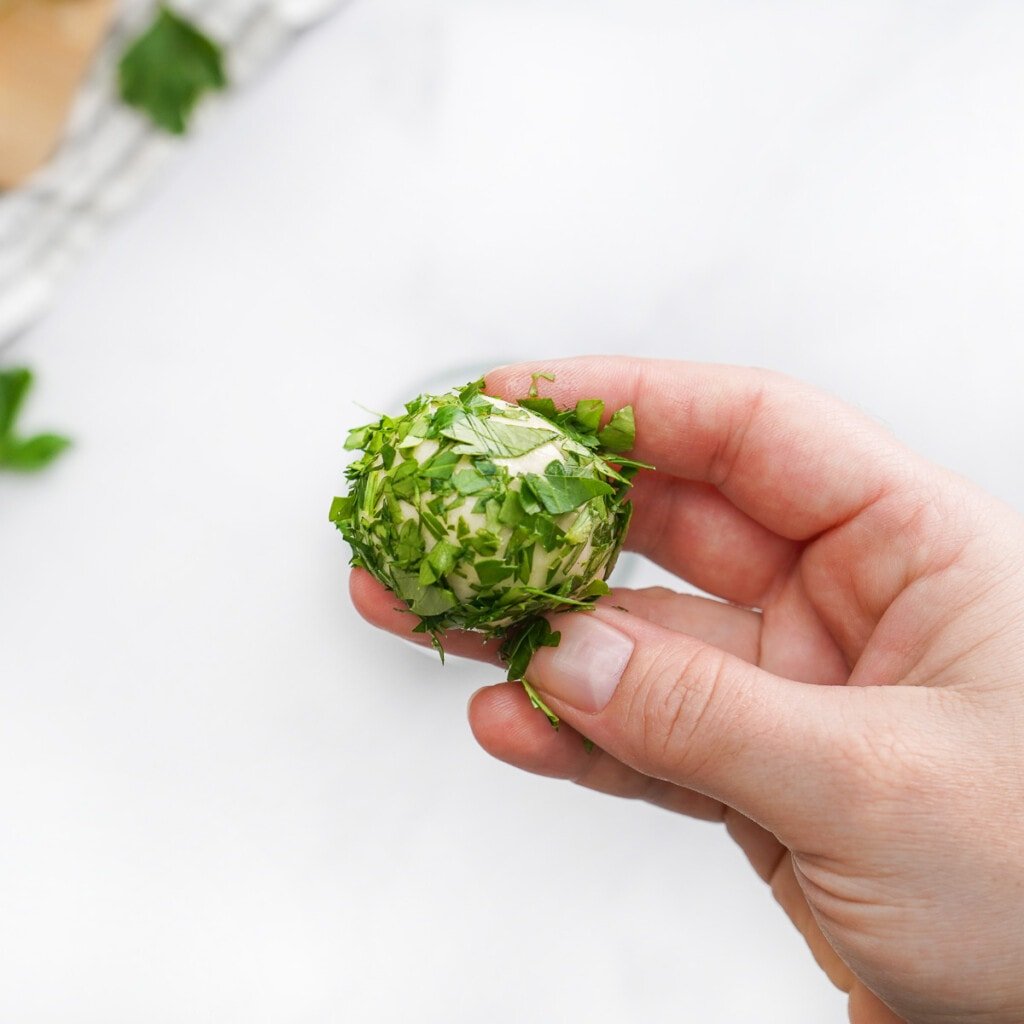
(682, 707)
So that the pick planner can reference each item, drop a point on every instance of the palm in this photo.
(846, 612)
(804, 635)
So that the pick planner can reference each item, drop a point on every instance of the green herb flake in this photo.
(492, 572)
(14, 386)
(512, 512)
(620, 434)
(559, 493)
(341, 508)
(441, 466)
(542, 406)
(589, 412)
(484, 542)
(17, 453)
(496, 438)
(469, 481)
(534, 377)
(524, 643)
(167, 69)
(439, 562)
(357, 438)
(433, 601)
(539, 705)
(35, 453)
(409, 546)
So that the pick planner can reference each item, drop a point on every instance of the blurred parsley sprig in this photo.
(166, 70)
(22, 454)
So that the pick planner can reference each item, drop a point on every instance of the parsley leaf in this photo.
(589, 412)
(558, 493)
(439, 562)
(517, 651)
(492, 571)
(23, 454)
(31, 454)
(539, 705)
(495, 437)
(14, 385)
(469, 481)
(168, 68)
(620, 434)
(542, 406)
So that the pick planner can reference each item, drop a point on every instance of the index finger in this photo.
(791, 457)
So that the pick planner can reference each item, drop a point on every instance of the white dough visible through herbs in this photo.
(483, 515)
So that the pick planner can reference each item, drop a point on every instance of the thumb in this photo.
(678, 709)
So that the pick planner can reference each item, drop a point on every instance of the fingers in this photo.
(725, 626)
(383, 609)
(673, 707)
(792, 458)
(788, 894)
(762, 849)
(510, 729)
(735, 630)
(691, 529)
(774, 864)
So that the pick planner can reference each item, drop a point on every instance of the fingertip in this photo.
(495, 717)
(360, 583)
(371, 599)
(472, 697)
(509, 728)
(506, 381)
(513, 380)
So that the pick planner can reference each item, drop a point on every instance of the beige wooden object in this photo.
(45, 49)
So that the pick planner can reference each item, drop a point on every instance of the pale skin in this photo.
(852, 705)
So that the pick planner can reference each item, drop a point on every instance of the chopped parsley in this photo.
(484, 515)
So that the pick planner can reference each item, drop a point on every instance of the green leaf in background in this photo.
(33, 453)
(14, 385)
(23, 454)
(167, 69)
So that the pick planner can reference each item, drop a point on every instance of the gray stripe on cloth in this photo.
(110, 153)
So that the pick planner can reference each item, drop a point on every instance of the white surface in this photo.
(222, 797)
(110, 152)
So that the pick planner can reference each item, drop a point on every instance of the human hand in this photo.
(853, 707)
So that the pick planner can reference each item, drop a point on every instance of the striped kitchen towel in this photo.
(110, 152)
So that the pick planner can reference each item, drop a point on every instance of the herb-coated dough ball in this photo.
(481, 514)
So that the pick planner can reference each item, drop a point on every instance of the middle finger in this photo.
(694, 531)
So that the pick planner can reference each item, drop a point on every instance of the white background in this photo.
(225, 798)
